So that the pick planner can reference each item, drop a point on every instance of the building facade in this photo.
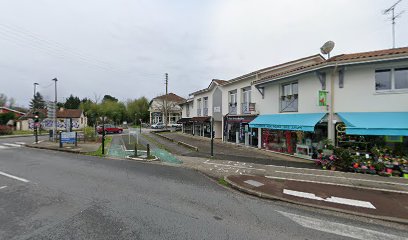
(170, 103)
(299, 107)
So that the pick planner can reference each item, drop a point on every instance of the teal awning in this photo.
(375, 123)
(293, 122)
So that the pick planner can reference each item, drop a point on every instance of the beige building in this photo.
(158, 106)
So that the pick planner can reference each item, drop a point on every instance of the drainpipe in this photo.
(330, 123)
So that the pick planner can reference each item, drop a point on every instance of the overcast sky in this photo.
(124, 47)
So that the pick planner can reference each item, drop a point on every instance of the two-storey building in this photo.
(353, 100)
(163, 104)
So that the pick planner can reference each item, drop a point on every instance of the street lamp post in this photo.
(212, 137)
(55, 107)
(36, 116)
(140, 120)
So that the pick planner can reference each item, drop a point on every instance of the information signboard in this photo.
(68, 137)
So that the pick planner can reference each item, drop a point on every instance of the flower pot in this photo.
(389, 170)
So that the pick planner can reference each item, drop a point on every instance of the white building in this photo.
(158, 106)
(299, 106)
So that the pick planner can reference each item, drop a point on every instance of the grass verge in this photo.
(98, 153)
(223, 182)
(150, 139)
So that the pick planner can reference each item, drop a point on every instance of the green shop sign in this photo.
(322, 98)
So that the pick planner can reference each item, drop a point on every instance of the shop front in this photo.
(297, 134)
(201, 126)
(363, 131)
(186, 125)
(237, 130)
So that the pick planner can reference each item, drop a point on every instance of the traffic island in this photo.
(385, 205)
(84, 148)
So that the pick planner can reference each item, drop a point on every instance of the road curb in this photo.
(273, 197)
(55, 149)
(178, 142)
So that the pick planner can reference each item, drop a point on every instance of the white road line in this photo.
(338, 184)
(21, 143)
(359, 179)
(339, 228)
(339, 200)
(12, 144)
(3, 187)
(226, 165)
(14, 177)
(254, 183)
(3, 147)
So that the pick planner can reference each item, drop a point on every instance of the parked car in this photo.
(176, 125)
(158, 125)
(109, 128)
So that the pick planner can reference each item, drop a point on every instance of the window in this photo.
(205, 102)
(401, 78)
(246, 95)
(289, 97)
(391, 79)
(383, 79)
(233, 98)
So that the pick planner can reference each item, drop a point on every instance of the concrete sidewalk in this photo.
(81, 148)
(385, 205)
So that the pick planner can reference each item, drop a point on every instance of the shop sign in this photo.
(322, 98)
(394, 139)
(286, 127)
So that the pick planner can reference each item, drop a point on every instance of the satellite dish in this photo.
(327, 48)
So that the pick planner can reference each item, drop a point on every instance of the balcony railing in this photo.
(187, 113)
(198, 112)
(245, 108)
(205, 112)
(232, 108)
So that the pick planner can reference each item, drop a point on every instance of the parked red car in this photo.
(109, 128)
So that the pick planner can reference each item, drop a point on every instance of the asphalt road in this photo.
(53, 195)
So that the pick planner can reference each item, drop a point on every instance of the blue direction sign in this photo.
(68, 137)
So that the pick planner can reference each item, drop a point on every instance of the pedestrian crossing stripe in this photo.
(12, 145)
(3, 147)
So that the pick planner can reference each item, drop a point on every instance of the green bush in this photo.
(345, 158)
(90, 134)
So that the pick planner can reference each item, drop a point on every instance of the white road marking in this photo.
(3, 147)
(14, 177)
(3, 187)
(12, 145)
(359, 179)
(339, 228)
(337, 184)
(254, 183)
(226, 165)
(339, 200)
(21, 143)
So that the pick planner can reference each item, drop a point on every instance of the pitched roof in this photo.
(171, 97)
(11, 110)
(219, 82)
(343, 59)
(372, 54)
(62, 113)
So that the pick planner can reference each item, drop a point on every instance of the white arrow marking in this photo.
(339, 200)
(3, 187)
(339, 228)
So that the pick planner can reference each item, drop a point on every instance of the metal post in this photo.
(103, 135)
(60, 143)
(55, 106)
(140, 125)
(148, 150)
(212, 137)
(135, 149)
(35, 133)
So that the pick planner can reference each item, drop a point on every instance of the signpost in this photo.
(68, 137)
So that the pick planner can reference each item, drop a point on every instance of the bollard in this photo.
(135, 149)
(148, 150)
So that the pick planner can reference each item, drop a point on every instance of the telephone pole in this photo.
(393, 17)
(55, 106)
(165, 101)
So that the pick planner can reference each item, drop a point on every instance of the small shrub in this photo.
(5, 130)
(345, 158)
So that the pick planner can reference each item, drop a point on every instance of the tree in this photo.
(5, 117)
(72, 102)
(138, 109)
(3, 99)
(37, 102)
(110, 98)
(11, 102)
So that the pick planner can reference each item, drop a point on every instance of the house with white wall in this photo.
(75, 117)
(353, 100)
(165, 103)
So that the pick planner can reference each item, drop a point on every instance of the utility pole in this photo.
(34, 113)
(393, 17)
(55, 106)
(212, 136)
(165, 101)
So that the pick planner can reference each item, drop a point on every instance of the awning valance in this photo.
(184, 120)
(375, 123)
(293, 122)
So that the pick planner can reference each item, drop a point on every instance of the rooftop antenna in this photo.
(393, 17)
(327, 48)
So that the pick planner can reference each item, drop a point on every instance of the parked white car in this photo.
(158, 125)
